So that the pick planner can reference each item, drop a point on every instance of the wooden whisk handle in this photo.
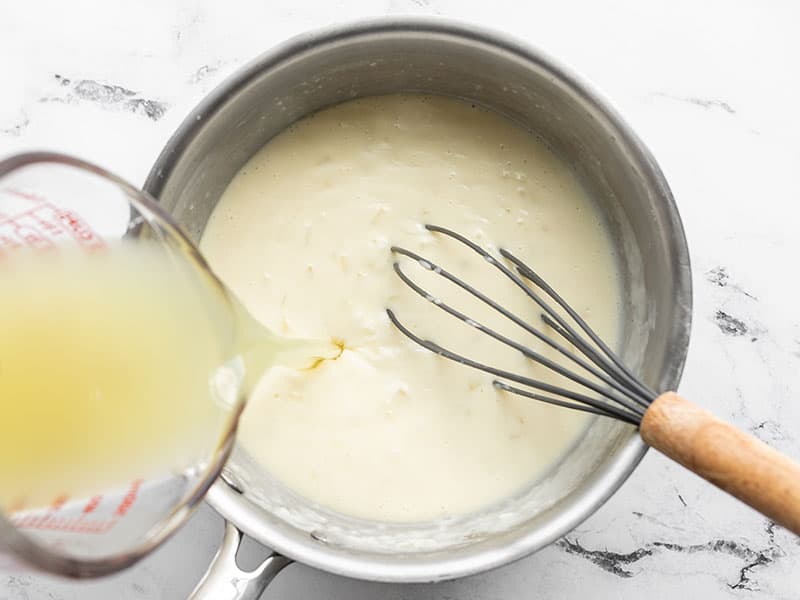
(735, 461)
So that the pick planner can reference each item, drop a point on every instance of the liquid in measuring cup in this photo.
(124, 363)
(120, 368)
(114, 365)
(105, 363)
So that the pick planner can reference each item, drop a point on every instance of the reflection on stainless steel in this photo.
(226, 581)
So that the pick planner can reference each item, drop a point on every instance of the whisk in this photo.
(733, 460)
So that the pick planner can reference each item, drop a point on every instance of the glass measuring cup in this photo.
(52, 203)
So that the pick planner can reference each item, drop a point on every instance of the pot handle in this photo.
(727, 457)
(224, 580)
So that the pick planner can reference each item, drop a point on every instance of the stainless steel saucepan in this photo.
(429, 56)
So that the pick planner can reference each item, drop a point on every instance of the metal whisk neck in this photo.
(617, 392)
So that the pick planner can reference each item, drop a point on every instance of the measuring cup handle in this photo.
(224, 580)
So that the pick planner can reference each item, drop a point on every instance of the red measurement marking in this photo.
(92, 504)
(31, 236)
(51, 521)
(22, 194)
(79, 228)
(59, 502)
(52, 229)
(24, 213)
(129, 498)
(40, 224)
(7, 241)
(74, 525)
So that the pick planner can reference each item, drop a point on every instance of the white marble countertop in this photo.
(713, 89)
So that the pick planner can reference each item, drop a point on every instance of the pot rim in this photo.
(232, 505)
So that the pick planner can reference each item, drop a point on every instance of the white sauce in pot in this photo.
(389, 431)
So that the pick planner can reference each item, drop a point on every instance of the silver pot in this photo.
(394, 55)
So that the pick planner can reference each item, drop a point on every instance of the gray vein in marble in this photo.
(413, 5)
(202, 73)
(720, 277)
(16, 128)
(193, 20)
(708, 103)
(730, 325)
(620, 564)
(745, 582)
(670, 524)
(108, 95)
(769, 432)
(138, 588)
(613, 562)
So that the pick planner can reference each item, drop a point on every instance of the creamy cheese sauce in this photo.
(389, 431)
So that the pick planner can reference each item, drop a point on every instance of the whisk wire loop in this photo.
(534, 278)
(621, 373)
(619, 387)
(527, 352)
(625, 398)
(521, 379)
